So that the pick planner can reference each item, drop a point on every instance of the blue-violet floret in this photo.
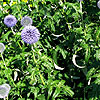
(30, 34)
(10, 20)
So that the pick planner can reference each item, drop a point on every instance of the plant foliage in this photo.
(65, 29)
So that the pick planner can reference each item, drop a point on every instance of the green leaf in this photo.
(97, 81)
(49, 92)
(42, 96)
(87, 55)
(97, 55)
(56, 93)
(68, 90)
(5, 36)
(90, 73)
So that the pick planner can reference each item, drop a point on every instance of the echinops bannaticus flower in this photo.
(2, 47)
(4, 90)
(30, 34)
(10, 20)
(98, 4)
(26, 21)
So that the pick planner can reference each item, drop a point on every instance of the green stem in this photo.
(34, 55)
(81, 6)
(19, 44)
(7, 97)
(41, 77)
(19, 9)
(13, 30)
(81, 11)
(4, 98)
(13, 81)
(3, 60)
(84, 94)
(20, 96)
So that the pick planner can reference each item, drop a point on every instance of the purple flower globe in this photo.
(30, 34)
(26, 21)
(98, 4)
(10, 20)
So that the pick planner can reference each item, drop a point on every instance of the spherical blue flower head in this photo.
(98, 4)
(10, 20)
(30, 34)
(26, 21)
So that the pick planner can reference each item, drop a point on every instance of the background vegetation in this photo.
(65, 30)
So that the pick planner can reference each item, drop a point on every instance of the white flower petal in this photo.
(74, 62)
(57, 67)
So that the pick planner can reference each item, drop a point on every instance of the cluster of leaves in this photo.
(65, 31)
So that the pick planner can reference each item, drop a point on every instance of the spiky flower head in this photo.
(10, 20)
(2, 47)
(98, 4)
(4, 90)
(30, 34)
(26, 21)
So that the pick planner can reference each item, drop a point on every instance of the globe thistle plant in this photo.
(98, 4)
(30, 34)
(10, 20)
(4, 90)
(26, 21)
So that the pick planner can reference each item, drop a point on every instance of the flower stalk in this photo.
(13, 30)
(3, 60)
(33, 54)
(41, 77)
